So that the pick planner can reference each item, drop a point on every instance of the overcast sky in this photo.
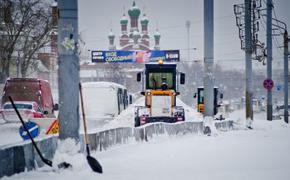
(97, 17)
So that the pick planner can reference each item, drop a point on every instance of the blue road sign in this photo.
(32, 128)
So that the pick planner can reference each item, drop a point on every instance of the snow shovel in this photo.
(46, 161)
(95, 165)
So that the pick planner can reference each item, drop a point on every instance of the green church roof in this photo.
(111, 34)
(124, 20)
(144, 20)
(134, 11)
(157, 34)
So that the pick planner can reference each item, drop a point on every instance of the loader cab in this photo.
(200, 99)
(160, 76)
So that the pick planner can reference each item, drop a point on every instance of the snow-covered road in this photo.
(9, 133)
(262, 153)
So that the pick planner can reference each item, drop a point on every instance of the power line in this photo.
(273, 37)
(276, 18)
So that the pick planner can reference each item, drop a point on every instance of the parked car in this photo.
(30, 89)
(27, 110)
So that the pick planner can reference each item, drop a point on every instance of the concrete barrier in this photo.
(224, 125)
(149, 131)
(23, 157)
(103, 140)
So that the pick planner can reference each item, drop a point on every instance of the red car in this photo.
(27, 110)
(30, 90)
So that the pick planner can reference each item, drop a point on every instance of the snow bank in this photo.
(104, 139)
(10, 133)
(126, 118)
(260, 153)
(18, 158)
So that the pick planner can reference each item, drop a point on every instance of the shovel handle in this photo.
(84, 116)
(46, 161)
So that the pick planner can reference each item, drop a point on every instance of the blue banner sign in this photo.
(135, 56)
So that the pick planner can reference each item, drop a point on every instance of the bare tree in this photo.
(25, 27)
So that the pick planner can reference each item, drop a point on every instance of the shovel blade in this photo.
(95, 165)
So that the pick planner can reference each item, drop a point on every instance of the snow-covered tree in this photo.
(24, 29)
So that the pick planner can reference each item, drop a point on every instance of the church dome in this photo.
(144, 20)
(157, 34)
(136, 34)
(124, 20)
(134, 11)
(111, 34)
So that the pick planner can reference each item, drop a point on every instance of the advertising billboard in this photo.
(135, 56)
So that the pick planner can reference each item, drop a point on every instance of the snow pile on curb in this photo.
(126, 118)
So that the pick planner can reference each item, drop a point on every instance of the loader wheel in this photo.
(207, 131)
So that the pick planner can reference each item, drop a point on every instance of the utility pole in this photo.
(281, 25)
(248, 59)
(187, 24)
(68, 71)
(208, 78)
(269, 58)
(286, 53)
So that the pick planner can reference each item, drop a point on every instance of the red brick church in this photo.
(134, 38)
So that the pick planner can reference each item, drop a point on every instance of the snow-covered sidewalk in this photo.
(262, 153)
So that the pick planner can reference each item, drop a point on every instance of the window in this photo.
(120, 96)
(18, 106)
(157, 78)
(200, 97)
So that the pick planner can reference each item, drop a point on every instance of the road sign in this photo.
(268, 84)
(54, 128)
(32, 128)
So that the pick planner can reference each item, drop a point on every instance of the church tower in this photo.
(134, 38)
(124, 38)
(157, 40)
(144, 27)
(111, 37)
(134, 13)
